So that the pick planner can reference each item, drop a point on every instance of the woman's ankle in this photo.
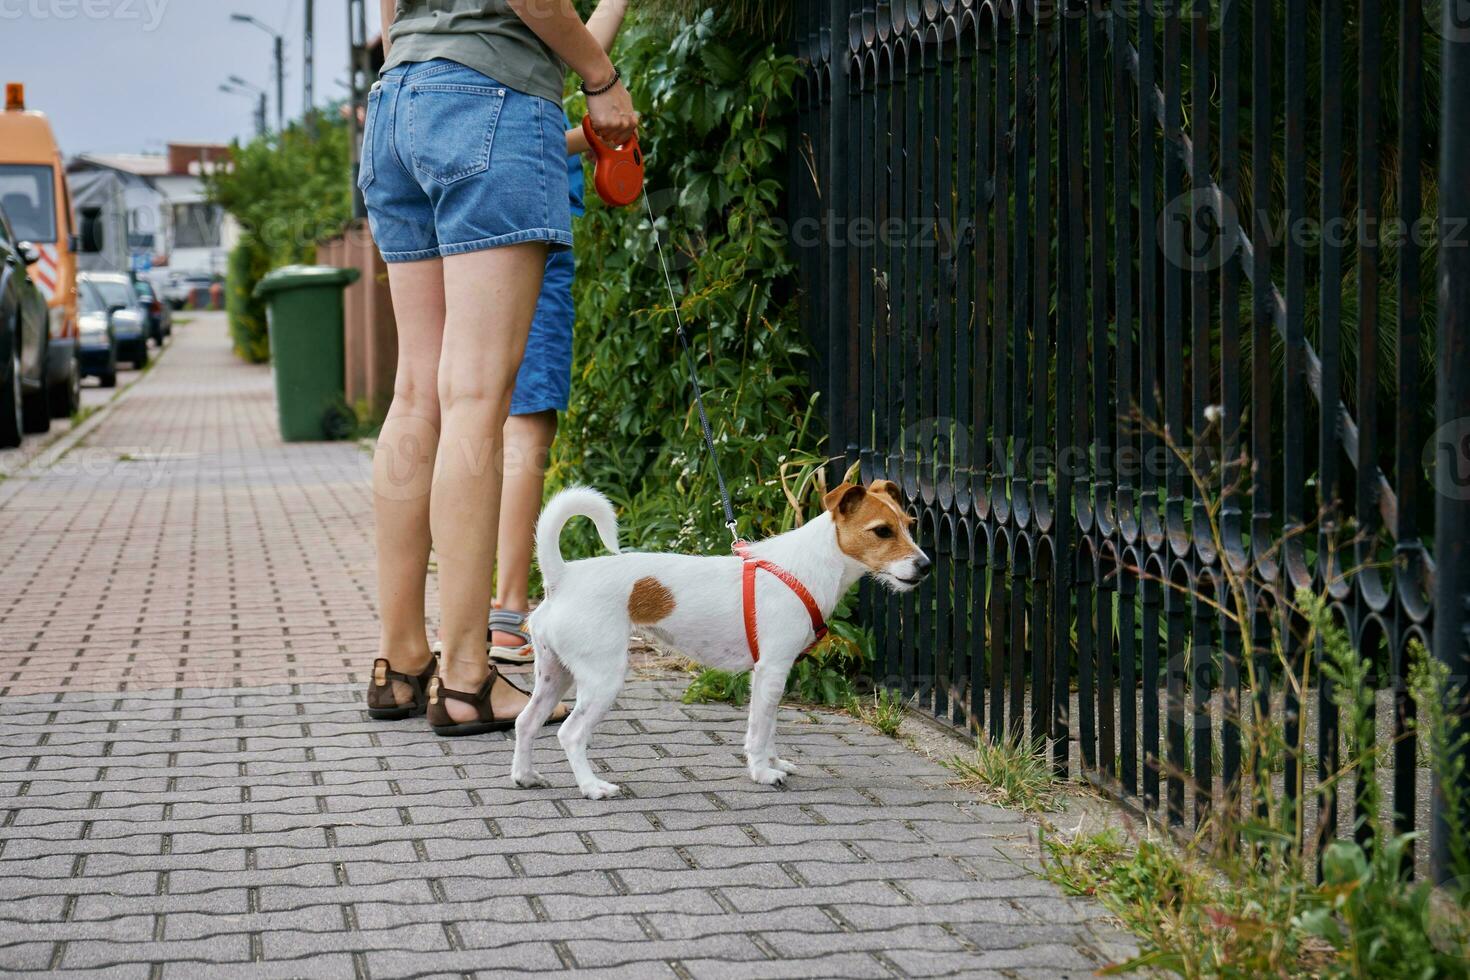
(465, 674)
(514, 602)
(408, 655)
(461, 672)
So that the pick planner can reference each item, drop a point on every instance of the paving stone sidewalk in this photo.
(189, 786)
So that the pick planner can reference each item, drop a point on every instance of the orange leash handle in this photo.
(618, 170)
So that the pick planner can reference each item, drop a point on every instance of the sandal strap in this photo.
(380, 693)
(383, 673)
(509, 621)
(480, 699)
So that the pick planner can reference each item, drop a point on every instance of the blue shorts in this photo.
(544, 381)
(453, 162)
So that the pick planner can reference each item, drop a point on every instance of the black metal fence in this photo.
(1137, 302)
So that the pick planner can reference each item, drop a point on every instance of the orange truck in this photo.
(35, 199)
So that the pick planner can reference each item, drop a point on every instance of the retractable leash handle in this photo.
(618, 171)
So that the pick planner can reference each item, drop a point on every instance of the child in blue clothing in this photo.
(542, 388)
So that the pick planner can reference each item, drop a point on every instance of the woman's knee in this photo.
(477, 382)
(416, 393)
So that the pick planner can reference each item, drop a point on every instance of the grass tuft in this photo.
(1192, 922)
(885, 713)
(1014, 775)
(714, 685)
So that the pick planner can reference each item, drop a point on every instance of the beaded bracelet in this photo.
(617, 77)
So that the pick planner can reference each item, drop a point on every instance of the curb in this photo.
(933, 725)
(68, 441)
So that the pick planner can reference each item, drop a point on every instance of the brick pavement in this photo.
(188, 784)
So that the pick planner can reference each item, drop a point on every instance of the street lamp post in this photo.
(309, 69)
(258, 97)
(255, 91)
(280, 67)
(359, 69)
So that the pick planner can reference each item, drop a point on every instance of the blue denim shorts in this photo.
(454, 161)
(544, 381)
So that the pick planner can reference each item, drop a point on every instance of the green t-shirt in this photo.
(485, 35)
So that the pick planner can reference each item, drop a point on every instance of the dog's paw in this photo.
(599, 790)
(767, 776)
(783, 765)
(530, 779)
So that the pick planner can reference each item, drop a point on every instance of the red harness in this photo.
(747, 589)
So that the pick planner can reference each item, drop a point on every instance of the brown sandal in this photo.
(383, 706)
(444, 725)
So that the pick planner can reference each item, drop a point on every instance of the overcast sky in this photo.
(128, 76)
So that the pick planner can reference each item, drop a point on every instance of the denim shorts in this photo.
(544, 381)
(454, 161)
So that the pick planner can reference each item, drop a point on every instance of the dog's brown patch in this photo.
(650, 601)
(871, 524)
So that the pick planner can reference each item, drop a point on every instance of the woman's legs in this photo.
(403, 466)
(527, 447)
(490, 298)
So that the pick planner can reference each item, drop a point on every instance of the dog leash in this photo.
(618, 179)
(709, 439)
(750, 563)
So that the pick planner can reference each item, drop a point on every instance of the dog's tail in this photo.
(569, 503)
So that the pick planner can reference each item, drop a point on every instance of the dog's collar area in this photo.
(752, 564)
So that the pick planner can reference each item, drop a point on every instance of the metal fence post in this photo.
(1452, 502)
(834, 227)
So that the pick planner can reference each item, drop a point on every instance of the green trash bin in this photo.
(304, 317)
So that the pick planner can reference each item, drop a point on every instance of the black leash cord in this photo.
(709, 438)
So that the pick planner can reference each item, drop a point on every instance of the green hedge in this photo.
(246, 314)
(287, 191)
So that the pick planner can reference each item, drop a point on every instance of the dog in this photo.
(734, 613)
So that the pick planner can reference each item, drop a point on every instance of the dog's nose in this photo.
(922, 564)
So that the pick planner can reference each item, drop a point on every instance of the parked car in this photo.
(181, 286)
(129, 315)
(24, 337)
(114, 325)
(96, 343)
(160, 317)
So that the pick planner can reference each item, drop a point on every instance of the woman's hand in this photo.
(612, 114)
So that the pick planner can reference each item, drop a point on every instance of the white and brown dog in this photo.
(710, 609)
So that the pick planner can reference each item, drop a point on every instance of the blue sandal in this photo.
(514, 623)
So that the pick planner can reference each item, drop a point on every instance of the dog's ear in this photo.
(844, 498)
(888, 487)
